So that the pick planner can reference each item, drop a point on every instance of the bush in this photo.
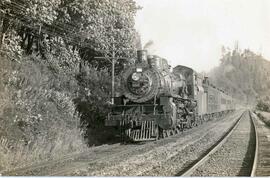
(93, 102)
(264, 119)
(38, 117)
(263, 106)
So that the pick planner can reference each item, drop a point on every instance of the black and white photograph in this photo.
(149, 88)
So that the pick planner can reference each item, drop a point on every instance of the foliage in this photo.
(93, 101)
(265, 117)
(50, 81)
(61, 58)
(101, 22)
(263, 106)
(42, 11)
(39, 110)
(100, 25)
(244, 74)
(11, 47)
(32, 11)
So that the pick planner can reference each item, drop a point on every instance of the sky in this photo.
(192, 32)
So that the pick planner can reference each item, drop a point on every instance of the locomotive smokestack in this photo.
(141, 55)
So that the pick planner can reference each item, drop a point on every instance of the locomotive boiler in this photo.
(156, 102)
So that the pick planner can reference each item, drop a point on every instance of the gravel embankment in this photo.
(163, 159)
(263, 155)
(235, 157)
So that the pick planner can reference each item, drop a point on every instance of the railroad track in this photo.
(262, 157)
(120, 153)
(232, 155)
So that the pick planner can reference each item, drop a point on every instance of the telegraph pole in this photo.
(113, 60)
(113, 66)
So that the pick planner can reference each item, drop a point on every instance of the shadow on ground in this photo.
(101, 135)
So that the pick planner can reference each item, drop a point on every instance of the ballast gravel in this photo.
(235, 157)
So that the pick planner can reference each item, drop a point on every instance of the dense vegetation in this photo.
(244, 74)
(263, 105)
(52, 86)
(264, 116)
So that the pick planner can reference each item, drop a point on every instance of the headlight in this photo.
(135, 76)
(138, 69)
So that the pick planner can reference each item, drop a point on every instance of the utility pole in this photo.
(113, 66)
(113, 60)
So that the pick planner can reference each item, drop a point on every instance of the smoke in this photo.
(149, 44)
(150, 47)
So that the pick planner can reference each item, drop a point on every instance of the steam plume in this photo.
(148, 44)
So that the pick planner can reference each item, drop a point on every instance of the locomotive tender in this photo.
(156, 102)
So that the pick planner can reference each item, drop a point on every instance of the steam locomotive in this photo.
(156, 102)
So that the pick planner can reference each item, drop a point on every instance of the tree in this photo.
(63, 34)
(92, 26)
(28, 16)
(103, 27)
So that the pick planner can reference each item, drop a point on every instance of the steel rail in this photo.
(189, 172)
(255, 161)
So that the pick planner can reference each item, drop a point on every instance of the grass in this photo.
(18, 154)
(38, 119)
(265, 117)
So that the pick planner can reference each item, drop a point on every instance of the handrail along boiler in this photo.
(155, 102)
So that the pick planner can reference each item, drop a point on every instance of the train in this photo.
(156, 101)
